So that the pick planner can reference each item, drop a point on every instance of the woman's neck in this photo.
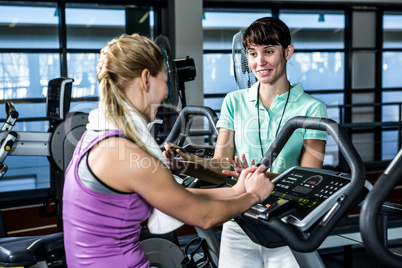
(268, 92)
(277, 88)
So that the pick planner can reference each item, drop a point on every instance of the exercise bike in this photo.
(306, 203)
(32, 251)
(374, 237)
(163, 250)
(48, 251)
(57, 145)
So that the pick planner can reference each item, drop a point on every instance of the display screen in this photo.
(303, 190)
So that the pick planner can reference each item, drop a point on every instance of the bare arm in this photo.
(225, 146)
(134, 170)
(221, 162)
(313, 153)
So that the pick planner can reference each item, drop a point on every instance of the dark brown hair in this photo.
(267, 31)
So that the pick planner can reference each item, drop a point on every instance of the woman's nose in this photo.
(261, 60)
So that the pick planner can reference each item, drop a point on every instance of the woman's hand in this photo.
(169, 147)
(170, 151)
(257, 182)
(173, 150)
(238, 166)
(239, 187)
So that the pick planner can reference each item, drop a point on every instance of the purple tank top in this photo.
(101, 230)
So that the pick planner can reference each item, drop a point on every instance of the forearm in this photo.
(215, 164)
(207, 207)
(215, 212)
(235, 206)
(220, 193)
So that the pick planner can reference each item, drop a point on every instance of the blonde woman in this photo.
(118, 175)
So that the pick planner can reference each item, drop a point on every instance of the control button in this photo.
(259, 207)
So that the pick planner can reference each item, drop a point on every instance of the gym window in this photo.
(391, 83)
(219, 27)
(37, 45)
(318, 61)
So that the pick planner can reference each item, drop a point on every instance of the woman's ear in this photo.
(289, 52)
(145, 74)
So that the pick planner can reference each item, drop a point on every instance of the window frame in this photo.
(26, 197)
(377, 127)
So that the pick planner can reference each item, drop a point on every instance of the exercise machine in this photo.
(306, 203)
(57, 144)
(373, 238)
(163, 251)
(178, 135)
(23, 251)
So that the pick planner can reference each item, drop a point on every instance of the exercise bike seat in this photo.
(29, 250)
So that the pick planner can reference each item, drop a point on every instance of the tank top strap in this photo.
(102, 135)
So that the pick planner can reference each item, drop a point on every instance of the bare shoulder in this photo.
(111, 149)
(117, 161)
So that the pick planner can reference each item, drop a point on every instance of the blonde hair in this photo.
(122, 60)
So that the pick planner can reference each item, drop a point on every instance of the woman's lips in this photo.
(263, 72)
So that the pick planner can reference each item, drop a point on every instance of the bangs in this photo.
(267, 31)
(260, 36)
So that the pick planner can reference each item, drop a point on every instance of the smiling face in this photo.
(268, 43)
(268, 62)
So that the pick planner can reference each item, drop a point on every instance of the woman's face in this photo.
(158, 91)
(267, 62)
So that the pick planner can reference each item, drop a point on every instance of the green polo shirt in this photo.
(239, 114)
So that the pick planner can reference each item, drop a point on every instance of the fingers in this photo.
(261, 168)
(258, 183)
(183, 155)
(165, 154)
(257, 169)
(248, 171)
(238, 165)
(235, 165)
(230, 173)
(170, 151)
(245, 177)
(171, 148)
(243, 158)
(230, 161)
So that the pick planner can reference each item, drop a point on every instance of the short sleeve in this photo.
(320, 111)
(226, 119)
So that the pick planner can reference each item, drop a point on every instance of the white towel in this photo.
(158, 222)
